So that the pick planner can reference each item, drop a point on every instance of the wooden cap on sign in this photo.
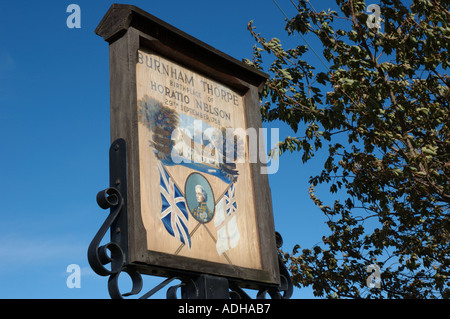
(120, 18)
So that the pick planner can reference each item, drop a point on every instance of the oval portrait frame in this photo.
(202, 213)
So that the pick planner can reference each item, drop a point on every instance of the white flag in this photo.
(222, 240)
(233, 232)
(227, 236)
(219, 214)
(226, 222)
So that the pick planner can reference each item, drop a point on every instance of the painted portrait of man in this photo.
(199, 198)
(202, 213)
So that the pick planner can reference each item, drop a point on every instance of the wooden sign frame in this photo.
(145, 55)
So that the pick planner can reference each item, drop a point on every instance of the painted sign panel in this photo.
(195, 180)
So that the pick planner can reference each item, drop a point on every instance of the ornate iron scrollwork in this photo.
(284, 291)
(286, 288)
(98, 255)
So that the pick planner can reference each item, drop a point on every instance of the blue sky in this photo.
(54, 128)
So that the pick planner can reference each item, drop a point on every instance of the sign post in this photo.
(188, 191)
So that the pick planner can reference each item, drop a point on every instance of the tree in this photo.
(381, 108)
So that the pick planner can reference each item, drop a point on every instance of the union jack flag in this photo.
(174, 214)
(230, 200)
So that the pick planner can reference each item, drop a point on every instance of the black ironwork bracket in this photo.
(98, 255)
(192, 286)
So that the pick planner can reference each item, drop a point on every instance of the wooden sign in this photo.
(196, 199)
